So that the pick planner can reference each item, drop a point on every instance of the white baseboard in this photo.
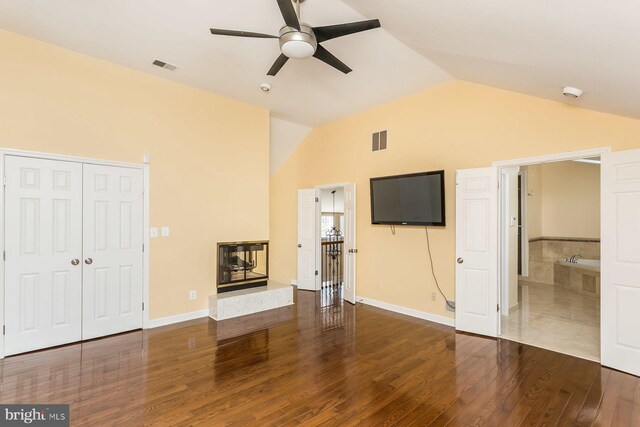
(177, 318)
(408, 311)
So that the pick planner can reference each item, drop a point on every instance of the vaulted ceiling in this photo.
(529, 46)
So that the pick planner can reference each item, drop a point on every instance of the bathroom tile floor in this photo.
(556, 319)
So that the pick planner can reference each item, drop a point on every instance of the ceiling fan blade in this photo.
(219, 32)
(289, 14)
(325, 56)
(282, 59)
(339, 30)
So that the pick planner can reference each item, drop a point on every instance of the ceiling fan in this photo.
(299, 40)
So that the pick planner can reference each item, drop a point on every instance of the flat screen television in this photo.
(413, 199)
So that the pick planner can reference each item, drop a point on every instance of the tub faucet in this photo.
(574, 258)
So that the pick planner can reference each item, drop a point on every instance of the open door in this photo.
(477, 251)
(307, 236)
(350, 251)
(620, 253)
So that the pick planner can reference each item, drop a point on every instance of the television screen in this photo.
(414, 199)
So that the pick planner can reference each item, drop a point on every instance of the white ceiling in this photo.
(309, 92)
(530, 46)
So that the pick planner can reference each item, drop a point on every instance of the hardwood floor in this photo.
(319, 364)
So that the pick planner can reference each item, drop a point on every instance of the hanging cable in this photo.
(393, 229)
(433, 272)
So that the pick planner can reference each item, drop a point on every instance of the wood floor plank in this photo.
(339, 365)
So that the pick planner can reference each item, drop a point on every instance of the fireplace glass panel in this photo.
(242, 265)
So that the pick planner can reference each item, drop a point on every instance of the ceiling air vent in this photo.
(164, 65)
(379, 141)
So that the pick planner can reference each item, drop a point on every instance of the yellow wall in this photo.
(571, 200)
(58, 101)
(453, 126)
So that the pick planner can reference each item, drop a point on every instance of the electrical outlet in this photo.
(164, 231)
(450, 306)
(153, 232)
(433, 296)
(193, 295)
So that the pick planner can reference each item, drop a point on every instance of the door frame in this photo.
(318, 219)
(524, 230)
(144, 167)
(528, 161)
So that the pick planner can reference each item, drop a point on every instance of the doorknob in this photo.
(350, 251)
(75, 261)
(459, 260)
(299, 245)
(355, 251)
(88, 261)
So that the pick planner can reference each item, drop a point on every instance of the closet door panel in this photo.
(112, 285)
(43, 243)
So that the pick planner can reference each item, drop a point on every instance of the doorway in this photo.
(326, 239)
(480, 259)
(550, 223)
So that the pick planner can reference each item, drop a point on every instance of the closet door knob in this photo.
(459, 260)
(299, 245)
(88, 261)
(75, 261)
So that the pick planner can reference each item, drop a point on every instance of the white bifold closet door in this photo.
(112, 247)
(73, 242)
(43, 244)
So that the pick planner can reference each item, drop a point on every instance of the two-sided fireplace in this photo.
(242, 265)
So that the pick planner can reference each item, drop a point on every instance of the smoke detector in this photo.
(572, 92)
(265, 87)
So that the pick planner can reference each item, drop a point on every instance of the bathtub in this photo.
(585, 264)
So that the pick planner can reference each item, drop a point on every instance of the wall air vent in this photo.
(164, 65)
(379, 141)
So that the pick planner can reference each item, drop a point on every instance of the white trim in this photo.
(331, 186)
(524, 230)
(146, 268)
(2, 262)
(177, 318)
(65, 158)
(84, 160)
(408, 311)
(548, 158)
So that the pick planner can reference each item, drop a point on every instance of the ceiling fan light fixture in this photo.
(298, 44)
(297, 49)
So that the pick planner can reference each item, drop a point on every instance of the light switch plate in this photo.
(165, 231)
(153, 232)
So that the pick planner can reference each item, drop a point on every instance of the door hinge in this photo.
(4, 181)
(4, 330)
(4, 255)
(143, 247)
(317, 200)
(316, 272)
(142, 306)
(498, 307)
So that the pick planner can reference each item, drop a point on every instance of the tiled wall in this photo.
(545, 251)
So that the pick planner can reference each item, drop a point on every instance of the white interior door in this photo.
(350, 250)
(43, 243)
(620, 253)
(307, 236)
(112, 264)
(477, 251)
